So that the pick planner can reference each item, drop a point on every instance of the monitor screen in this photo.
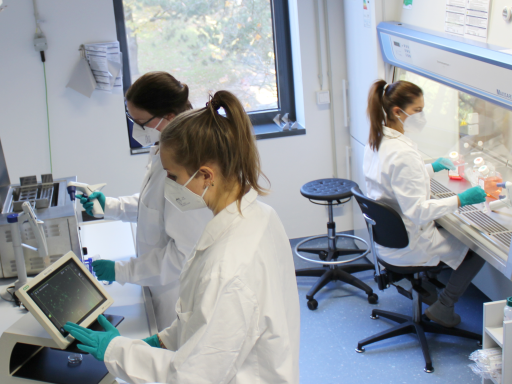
(65, 295)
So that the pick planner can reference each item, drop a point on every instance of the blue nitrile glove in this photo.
(442, 164)
(93, 342)
(87, 203)
(153, 341)
(105, 270)
(471, 196)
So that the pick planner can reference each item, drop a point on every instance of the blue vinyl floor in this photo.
(329, 336)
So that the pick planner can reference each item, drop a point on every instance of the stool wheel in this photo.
(360, 350)
(323, 255)
(373, 298)
(312, 304)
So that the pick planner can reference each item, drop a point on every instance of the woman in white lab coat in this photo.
(165, 236)
(238, 311)
(396, 175)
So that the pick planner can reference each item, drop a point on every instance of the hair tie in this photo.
(214, 104)
(384, 90)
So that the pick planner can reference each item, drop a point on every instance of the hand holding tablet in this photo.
(65, 292)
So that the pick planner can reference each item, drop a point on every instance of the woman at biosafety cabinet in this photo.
(165, 235)
(395, 174)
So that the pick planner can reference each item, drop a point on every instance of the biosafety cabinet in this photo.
(467, 88)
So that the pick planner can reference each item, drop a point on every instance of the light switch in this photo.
(323, 97)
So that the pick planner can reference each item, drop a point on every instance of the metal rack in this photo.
(472, 215)
(39, 195)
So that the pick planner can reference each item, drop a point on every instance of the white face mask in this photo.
(414, 123)
(182, 197)
(146, 135)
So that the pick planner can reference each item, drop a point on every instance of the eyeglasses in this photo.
(132, 119)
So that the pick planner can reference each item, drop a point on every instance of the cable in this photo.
(36, 16)
(48, 117)
(15, 299)
(329, 75)
(10, 294)
(40, 45)
(319, 45)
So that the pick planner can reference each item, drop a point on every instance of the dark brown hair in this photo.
(160, 94)
(201, 136)
(381, 101)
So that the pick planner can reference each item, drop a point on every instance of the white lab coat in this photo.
(396, 175)
(165, 238)
(238, 312)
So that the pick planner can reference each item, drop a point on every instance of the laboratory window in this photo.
(238, 45)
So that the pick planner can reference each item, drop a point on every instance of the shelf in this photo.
(496, 334)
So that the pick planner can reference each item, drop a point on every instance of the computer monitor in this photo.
(65, 291)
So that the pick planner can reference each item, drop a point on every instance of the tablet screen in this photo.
(65, 295)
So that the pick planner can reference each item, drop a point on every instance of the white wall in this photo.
(430, 14)
(291, 162)
(89, 138)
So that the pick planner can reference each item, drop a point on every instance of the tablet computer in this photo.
(65, 291)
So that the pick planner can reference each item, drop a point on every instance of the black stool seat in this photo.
(408, 270)
(328, 189)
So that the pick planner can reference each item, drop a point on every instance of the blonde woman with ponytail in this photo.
(238, 309)
(396, 175)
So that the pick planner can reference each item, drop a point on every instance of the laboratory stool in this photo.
(330, 193)
(386, 228)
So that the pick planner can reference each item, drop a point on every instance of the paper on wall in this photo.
(82, 80)
(455, 15)
(106, 64)
(367, 17)
(467, 18)
(114, 68)
(477, 19)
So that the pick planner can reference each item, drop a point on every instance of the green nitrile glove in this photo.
(153, 341)
(93, 342)
(105, 270)
(87, 203)
(442, 164)
(471, 196)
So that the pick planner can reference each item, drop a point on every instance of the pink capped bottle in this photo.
(488, 180)
(458, 161)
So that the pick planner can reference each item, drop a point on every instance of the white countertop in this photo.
(113, 241)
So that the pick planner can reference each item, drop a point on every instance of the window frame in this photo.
(284, 73)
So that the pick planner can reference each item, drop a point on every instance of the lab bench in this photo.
(101, 237)
(486, 232)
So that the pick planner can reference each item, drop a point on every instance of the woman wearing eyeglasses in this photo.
(165, 236)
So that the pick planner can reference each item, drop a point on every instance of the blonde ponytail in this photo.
(203, 135)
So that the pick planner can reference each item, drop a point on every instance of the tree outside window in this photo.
(207, 44)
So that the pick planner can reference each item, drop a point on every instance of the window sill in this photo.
(270, 131)
(263, 131)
